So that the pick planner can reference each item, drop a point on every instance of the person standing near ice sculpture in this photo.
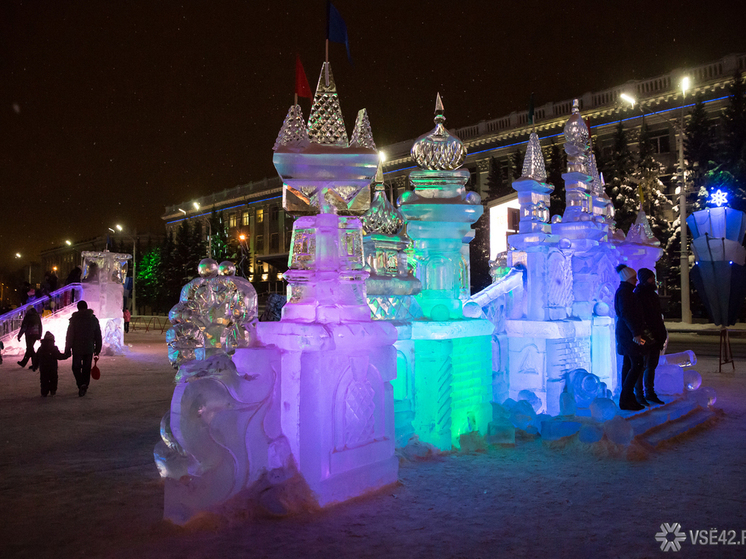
(630, 325)
(31, 327)
(651, 308)
(47, 357)
(84, 341)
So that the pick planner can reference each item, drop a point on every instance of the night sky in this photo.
(111, 110)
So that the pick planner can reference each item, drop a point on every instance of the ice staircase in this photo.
(655, 426)
(55, 310)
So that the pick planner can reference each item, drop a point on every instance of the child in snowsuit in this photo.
(47, 356)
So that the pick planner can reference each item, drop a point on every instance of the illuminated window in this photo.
(259, 215)
(233, 220)
(504, 220)
(245, 218)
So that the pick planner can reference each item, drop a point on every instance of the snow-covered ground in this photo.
(77, 479)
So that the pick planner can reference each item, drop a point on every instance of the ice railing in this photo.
(55, 303)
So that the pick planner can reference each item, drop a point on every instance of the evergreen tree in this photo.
(731, 174)
(169, 275)
(516, 165)
(699, 144)
(150, 284)
(182, 253)
(618, 171)
(557, 165)
(734, 124)
(197, 248)
(479, 254)
(496, 184)
(219, 236)
(654, 201)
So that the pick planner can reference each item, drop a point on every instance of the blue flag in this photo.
(336, 30)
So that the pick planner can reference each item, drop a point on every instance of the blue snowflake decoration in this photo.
(719, 198)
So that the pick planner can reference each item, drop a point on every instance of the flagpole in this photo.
(296, 99)
(326, 65)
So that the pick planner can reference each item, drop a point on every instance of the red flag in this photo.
(302, 89)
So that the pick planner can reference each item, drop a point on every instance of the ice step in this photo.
(677, 427)
(643, 421)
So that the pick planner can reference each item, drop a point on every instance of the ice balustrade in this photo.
(48, 307)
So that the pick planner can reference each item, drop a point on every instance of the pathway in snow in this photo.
(77, 479)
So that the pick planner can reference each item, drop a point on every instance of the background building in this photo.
(495, 147)
(254, 211)
(501, 142)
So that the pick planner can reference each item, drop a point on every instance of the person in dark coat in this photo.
(47, 357)
(83, 341)
(651, 308)
(74, 276)
(31, 327)
(630, 326)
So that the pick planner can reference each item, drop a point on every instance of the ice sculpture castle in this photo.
(380, 340)
(552, 305)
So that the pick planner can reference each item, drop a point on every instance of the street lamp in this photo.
(68, 243)
(686, 311)
(18, 255)
(631, 100)
(132, 237)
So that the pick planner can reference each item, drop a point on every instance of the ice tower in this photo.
(554, 331)
(307, 396)
(104, 274)
(442, 388)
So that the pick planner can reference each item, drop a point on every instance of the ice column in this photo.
(336, 364)
(452, 353)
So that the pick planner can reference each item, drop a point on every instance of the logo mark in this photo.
(678, 537)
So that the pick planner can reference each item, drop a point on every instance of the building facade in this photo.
(659, 102)
(253, 216)
(255, 209)
(64, 258)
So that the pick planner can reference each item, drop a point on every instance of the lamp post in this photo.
(18, 255)
(133, 238)
(209, 229)
(686, 311)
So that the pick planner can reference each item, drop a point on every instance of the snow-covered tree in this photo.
(619, 186)
(653, 200)
(497, 186)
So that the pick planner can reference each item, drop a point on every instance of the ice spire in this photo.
(533, 163)
(438, 149)
(293, 133)
(362, 136)
(577, 142)
(382, 217)
(641, 232)
(326, 124)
